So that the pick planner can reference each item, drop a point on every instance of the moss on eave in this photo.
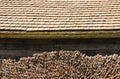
(60, 34)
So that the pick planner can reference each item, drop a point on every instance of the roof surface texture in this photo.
(59, 15)
(40, 15)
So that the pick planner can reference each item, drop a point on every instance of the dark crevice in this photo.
(16, 48)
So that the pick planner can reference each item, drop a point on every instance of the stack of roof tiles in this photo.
(61, 65)
(40, 15)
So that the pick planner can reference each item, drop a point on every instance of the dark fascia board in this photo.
(60, 34)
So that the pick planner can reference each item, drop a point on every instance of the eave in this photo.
(60, 34)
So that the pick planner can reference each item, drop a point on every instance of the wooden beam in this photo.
(60, 34)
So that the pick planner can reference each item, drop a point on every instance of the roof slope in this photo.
(40, 15)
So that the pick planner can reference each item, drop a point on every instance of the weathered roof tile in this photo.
(39, 15)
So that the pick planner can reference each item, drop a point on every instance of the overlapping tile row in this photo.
(39, 15)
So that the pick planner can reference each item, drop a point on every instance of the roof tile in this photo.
(39, 15)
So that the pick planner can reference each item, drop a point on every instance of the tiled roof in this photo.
(40, 15)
